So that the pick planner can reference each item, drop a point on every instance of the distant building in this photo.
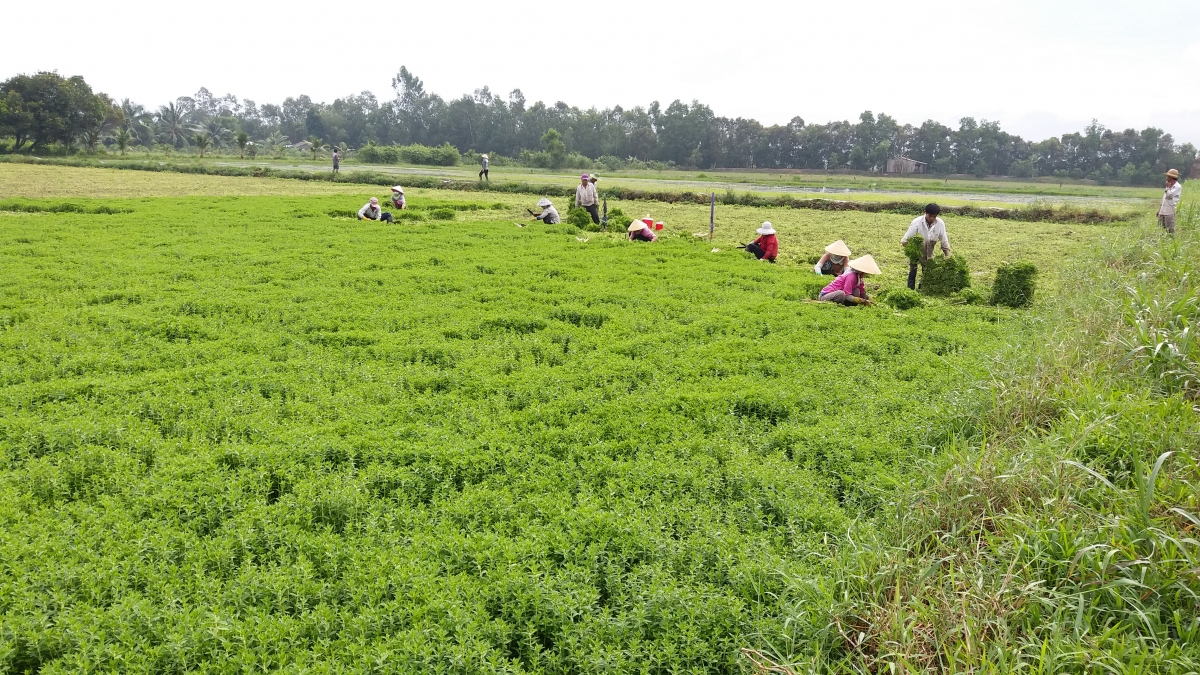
(905, 165)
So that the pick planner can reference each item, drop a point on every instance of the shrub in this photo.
(441, 214)
(578, 217)
(969, 296)
(618, 220)
(379, 154)
(1015, 284)
(443, 155)
(903, 298)
(945, 276)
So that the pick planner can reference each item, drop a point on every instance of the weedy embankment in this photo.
(1056, 530)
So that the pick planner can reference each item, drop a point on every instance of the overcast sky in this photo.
(1040, 67)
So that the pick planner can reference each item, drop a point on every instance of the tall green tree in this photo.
(202, 141)
(174, 125)
(47, 108)
(242, 139)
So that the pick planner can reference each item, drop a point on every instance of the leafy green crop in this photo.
(240, 437)
(903, 298)
(912, 249)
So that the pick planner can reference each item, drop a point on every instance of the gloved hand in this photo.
(817, 269)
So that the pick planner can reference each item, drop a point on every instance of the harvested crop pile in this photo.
(1015, 284)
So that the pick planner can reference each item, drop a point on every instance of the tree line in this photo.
(46, 109)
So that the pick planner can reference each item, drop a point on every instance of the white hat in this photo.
(865, 264)
(838, 247)
(636, 226)
(543, 202)
(398, 189)
(484, 155)
(593, 177)
(767, 228)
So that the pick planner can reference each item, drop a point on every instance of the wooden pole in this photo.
(712, 213)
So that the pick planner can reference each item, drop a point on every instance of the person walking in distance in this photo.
(483, 168)
(337, 160)
(585, 197)
(931, 228)
(1170, 200)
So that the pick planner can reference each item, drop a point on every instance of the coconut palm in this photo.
(219, 134)
(174, 125)
(123, 139)
(276, 143)
(202, 142)
(242, 139)
(315, 145)
(137, 120)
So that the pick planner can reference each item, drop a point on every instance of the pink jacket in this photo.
(850, 282)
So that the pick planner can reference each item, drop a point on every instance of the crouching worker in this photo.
(398, 198)
(549, 214)
(639, 231)
(833, 263)
(766, 247)
(849, 289)
(371, 211)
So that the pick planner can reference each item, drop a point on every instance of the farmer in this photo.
(833, 262)
(398, 198)
(639, 231)
(585, 196)
(549, 214)
(337, 160)
(483, 167)
(1170, 200)
(932, 230)
(849, 288)
(766, 247)
(371, 211)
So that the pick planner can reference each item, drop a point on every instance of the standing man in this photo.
(337, 160)
(1170, 200)
(585, 196)
(483, 168)
(931, 229)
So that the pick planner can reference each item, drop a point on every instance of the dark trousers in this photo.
(595, 211)
(483, 173)
(758, 251)
(912, 276)
(640, 235)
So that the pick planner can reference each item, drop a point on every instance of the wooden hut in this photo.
(904, 165)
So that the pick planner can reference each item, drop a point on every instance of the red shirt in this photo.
(769, 244)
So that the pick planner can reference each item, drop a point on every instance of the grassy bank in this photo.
(1028, 213)
(1055, 529)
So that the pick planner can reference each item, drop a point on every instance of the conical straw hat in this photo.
(865, 264)
(838, 247)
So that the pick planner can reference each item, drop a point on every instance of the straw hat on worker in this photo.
(865, 264)
(766, 247)
(833, 262)
(639, 231)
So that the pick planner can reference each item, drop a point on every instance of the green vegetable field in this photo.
(250, 433)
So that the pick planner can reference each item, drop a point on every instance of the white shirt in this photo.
(928, 232)
(585, 195)
(1170, 199)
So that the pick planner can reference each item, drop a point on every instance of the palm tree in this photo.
(276, 143)
(202, 141)
(220, 135)
(137, 121)
(173, 125)
(123, 139)
(242, 139)
(316, 145)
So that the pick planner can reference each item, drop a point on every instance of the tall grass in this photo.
(1055, 531)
